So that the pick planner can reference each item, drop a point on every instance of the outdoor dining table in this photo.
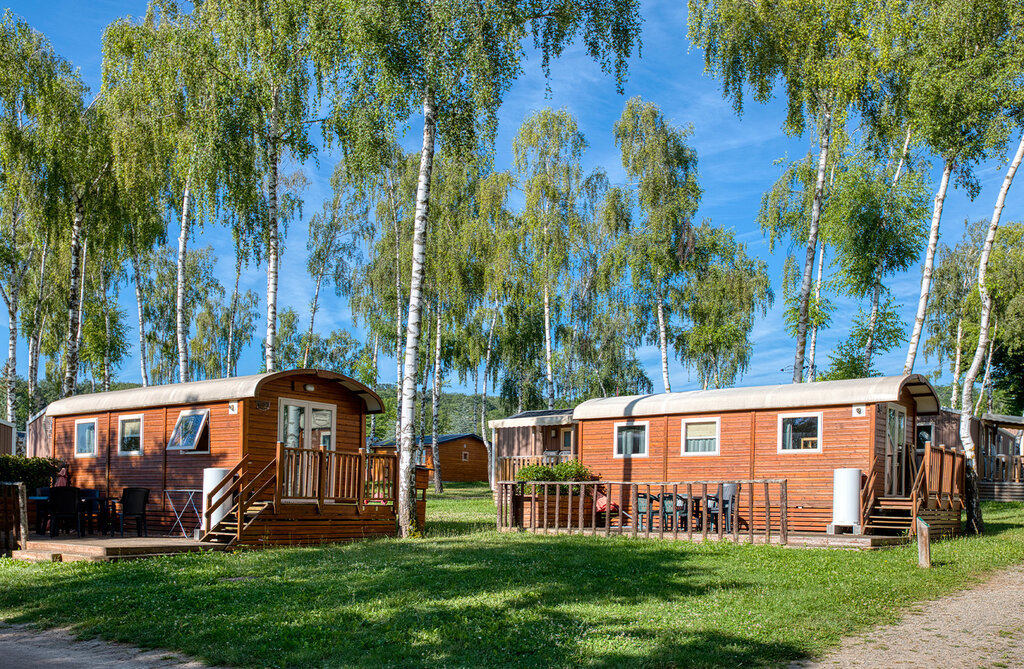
(42, 506)
(180, 509)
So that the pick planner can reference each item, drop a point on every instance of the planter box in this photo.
(561, 510)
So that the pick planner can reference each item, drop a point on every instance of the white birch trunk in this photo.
(483, 404)
(663, 342)
(71, 345)
(143, 354)
(12, 352)
(230, 362)
(812, 368)
(974, 520)
(926, 272)
(373, 417)
(549, 374)
(872, 323)
(81, 294)
(180, 326)
(954, 399)
(312, 318)
(435, 405)
(106, 325)
(35, 339)
(406, 489)
(986, 380)
(270, 345)
(398, 318)
(812, 247)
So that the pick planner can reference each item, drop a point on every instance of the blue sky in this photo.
(736, 155)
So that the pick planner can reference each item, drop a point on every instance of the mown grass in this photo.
(466, 596)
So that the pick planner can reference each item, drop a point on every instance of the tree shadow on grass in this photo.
(493, 601)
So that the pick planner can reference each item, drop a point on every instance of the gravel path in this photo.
(979, 627)
(24, 647)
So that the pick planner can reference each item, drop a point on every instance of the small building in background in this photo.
(528, 437)
(463, 456)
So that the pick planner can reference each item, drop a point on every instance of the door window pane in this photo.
(322, 433)
(293, 426)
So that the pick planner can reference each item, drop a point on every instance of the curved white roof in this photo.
(787, 396)
(197, 392)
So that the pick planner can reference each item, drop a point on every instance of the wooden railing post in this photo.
(280, 476)
(784, 512)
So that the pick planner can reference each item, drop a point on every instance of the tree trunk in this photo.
(373, 417)
(143, 355)
(483, 404)
(12, 351)
(71, 347)
(230, 362)
(435, 404)
(106, 325)
(180, 326)
(270, 345)
(872, 324)
(550, 376)
(812, 369)
(398, 318)
(975, 524)
(663, 342)
(954, 399)
(406, 489)
(312, 317)
(81, 294)
(812, 247)
(986, 380)
(35, 339)
(926, 272)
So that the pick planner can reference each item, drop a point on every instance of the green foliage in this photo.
(847, 361)
(33, 472)
(536, 473)
(572, 470)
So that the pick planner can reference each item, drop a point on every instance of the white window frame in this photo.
(308, 407)
(572, 440)
(465, 456)
(142, 431)
(95, 438)
(205, 425)
(647, 439)
(804, 414)
(718, 436)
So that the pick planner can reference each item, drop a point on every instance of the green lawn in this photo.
(466, 596)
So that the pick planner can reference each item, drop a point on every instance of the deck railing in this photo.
(509, 465)
(756, 510)
(939, 483)
(318, 476)
(1002, 468)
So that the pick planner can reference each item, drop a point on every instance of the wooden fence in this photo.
(13, 517)
(509, 465)
(753, 509)
(937, 492)
(314, 475)
(1003, 468)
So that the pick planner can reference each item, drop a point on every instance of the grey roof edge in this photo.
(1002, 420)
(200, 392)
(783, 396)
(531, 421)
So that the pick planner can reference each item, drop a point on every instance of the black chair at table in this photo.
(42, 509)
(90, 508)
(675, 511)
(65, 505)
(728, 501)
(132, 505)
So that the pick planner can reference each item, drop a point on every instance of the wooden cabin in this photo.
(797, 432)
(292, 442)
(463, 456)
(532, 436)
(997, 446)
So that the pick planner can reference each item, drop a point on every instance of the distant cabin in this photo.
(292, 442)
(463, 456)
(8, 438)
(547, 435)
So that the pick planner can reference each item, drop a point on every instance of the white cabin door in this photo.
(897, 470)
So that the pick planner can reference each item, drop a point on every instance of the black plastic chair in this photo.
(674, 511)
(90, 508)
(728, 500)
(42, 509)
(64, 505)
(133, 505)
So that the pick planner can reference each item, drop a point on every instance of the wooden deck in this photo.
(103, 549)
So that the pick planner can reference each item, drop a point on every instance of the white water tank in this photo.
(211, 477)
(846, 499)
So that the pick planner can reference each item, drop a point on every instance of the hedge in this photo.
(33, 472)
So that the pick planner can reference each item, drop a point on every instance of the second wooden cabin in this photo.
(797, 432)
(463, 456)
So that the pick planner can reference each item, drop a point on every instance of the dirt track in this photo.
(23, 647)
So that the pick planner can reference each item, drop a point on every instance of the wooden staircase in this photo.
(227, 532)
(891, 516)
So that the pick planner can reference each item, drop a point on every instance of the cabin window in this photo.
(129, 435)
(188, 430)
(567, 440)
(465, 456)
(925, 433)
(421, 457)
(85, 438)
(631, 440)
(700, 437)
(800, 433)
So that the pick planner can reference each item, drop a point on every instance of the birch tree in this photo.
(818, 52)
(459, 60)
(656, 156)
